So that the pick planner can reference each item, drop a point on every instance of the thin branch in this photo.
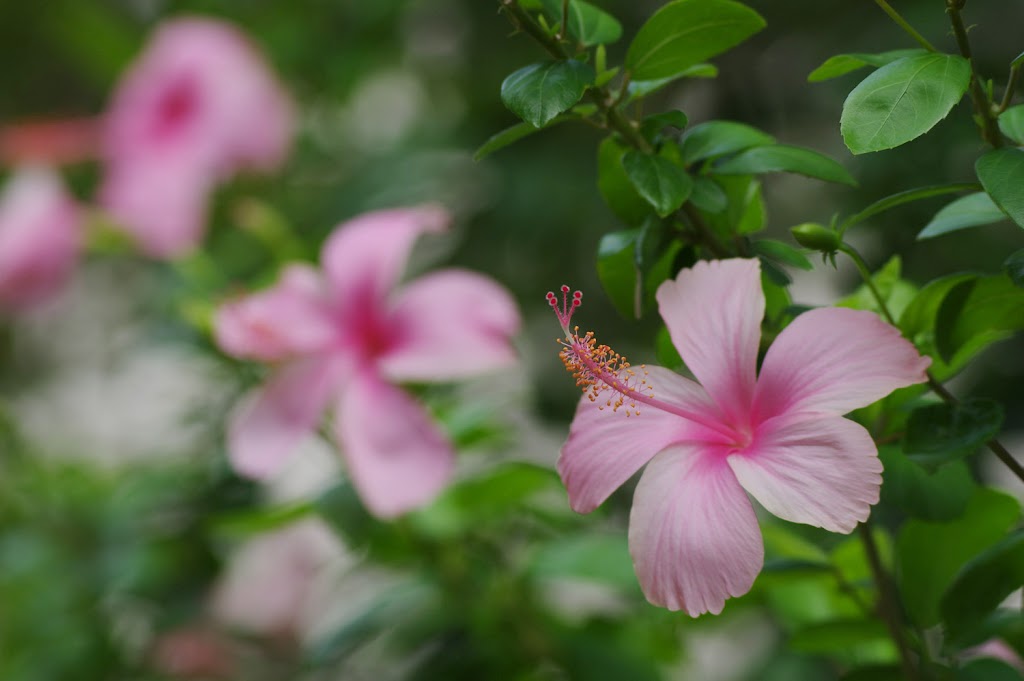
(982, 104)
(1011, 86)
(902, 23)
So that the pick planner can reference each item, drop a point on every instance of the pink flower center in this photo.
(176, 107)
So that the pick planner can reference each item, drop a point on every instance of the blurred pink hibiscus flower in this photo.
(197, 106)
(344, 337)
(779, 435)
(39, 237)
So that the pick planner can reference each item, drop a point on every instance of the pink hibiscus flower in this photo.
(198, 105)
(345, 338)
(39, 237)
(779, 435)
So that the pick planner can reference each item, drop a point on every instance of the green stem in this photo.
(887, 604)
(994, 445)
(1011, 86)
(982, 105)
(902, 23)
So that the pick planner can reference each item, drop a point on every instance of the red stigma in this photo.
(567, 308)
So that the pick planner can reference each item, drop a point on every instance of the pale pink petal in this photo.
(162, 204)
(693, 534)
(267, 427)
(605, 447)
(822, 471)
(290, 318)
(397, 457)
(364, 257)
(39, 237)
(713, 312)
(833, 360)
(448, 325)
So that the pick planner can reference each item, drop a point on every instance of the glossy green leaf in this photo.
(972, 210)
(686, 32)
(983, 583)
(907, 196)
(917, 321)
(940, 433)
(940, 496)
(929, 555)
(660, 181)
(708, 195)
(665, 350)
(512, 135)
(1005, 623)
(539, 92)
(782, 252)
(745, 213)
(785, 158)
(655, 123)
(716, 138)
(1001, 172)
(638, 89)
(615, 185)
(616, 268)
(841, 64)
(1011, 122)
(973, 316)
(1014, 268)
(596, 557)
(902, 100)
(585, 23)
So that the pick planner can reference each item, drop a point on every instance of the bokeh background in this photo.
(128, 549)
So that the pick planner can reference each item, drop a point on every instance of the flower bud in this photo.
(817, 237)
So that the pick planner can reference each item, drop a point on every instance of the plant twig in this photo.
(887, 605)
(982, 105)
(1011, 86)
(902, 23)
(994, 445)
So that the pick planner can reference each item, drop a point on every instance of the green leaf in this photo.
(716, 138)
(1011, 122)
(539, 92)
(1006, 624)
(660, 181)
(967, 211)
(983, 583)
(585, 23)
(686, 32)
(596, 557)
(665, 350)
(841, 64)
(1001, 172)
(941, 496)
(1014, 268)
(708, 195)
(895, 291)
(654, 123)
(903, 197)
(638, 89)
(902, 100)
(616, 268)
(875, 672)
(514, 134)
(972, 317)
(940, 433)
(341, 507)
(987, 669)
(746, 211)
(918, 319)
(615, 185)
(785, 158)
(930, 554)
(782, 252)
(838, 636)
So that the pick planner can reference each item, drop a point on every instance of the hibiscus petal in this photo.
(364, 257)
(833, 360)
(693, 534)
(450, 325)
(713, 312)
(605, 448)
(823, 472)
(397, 457)
(271, 422)
(288, 319)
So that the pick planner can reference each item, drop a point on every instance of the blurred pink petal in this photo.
(197, 106)
(39, 237)
(364, 256)
(603, 451)
(713, 313)
(450, 325)
(693, 534)
(834, 360)
(398, 459)
(823, 472)
(289, 319)
(272, 421)
(447, 325)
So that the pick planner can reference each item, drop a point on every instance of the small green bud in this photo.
(817, 237)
